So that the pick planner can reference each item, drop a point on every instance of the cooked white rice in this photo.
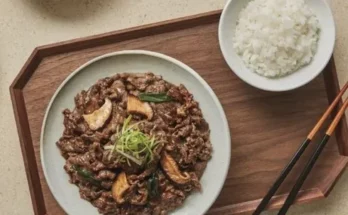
(276, 37)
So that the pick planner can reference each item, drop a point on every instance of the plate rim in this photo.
(266, 88)
(152, 54)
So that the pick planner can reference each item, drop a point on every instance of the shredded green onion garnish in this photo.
(133, 145)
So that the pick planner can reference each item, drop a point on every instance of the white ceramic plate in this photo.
(326, 44)
(134, 61)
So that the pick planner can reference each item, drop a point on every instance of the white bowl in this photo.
(297, 79)
(134, 61)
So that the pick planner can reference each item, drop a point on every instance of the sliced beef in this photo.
(179, 128)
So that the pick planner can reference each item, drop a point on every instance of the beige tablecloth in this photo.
(25, 24)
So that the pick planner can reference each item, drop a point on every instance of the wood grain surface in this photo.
(266, 127)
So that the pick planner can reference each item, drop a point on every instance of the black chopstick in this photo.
(301, 179)
(298, 154)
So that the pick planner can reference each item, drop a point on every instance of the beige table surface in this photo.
(25, 24)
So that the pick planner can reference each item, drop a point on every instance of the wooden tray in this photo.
(266, 127)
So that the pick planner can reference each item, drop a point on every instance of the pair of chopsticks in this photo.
(293, 193)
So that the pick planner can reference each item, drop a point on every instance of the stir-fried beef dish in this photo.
(135, 144)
